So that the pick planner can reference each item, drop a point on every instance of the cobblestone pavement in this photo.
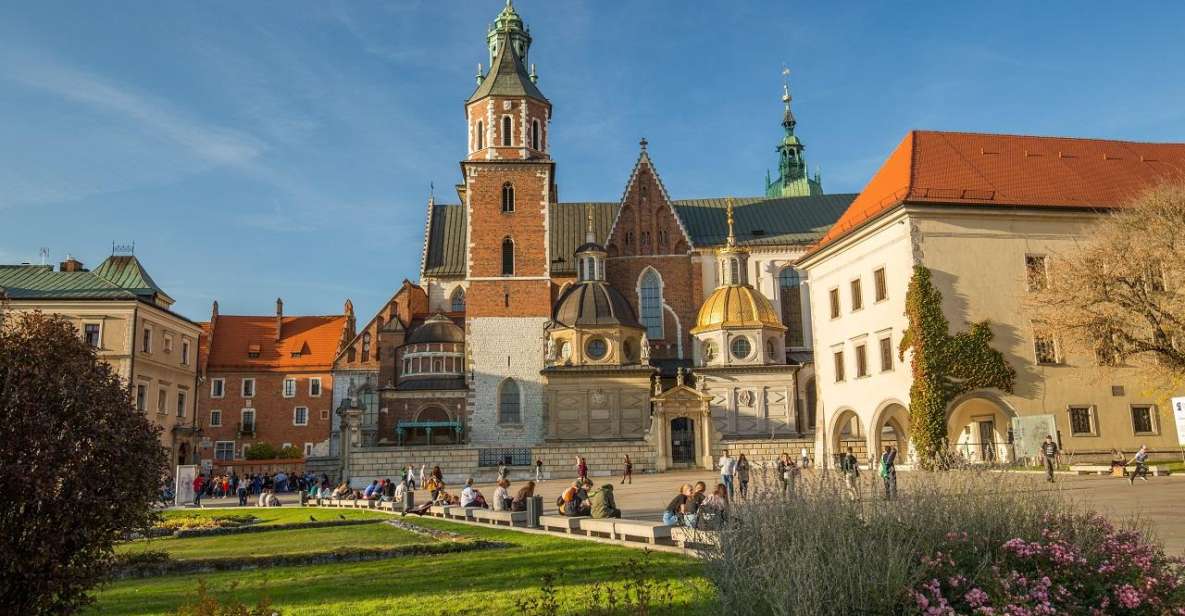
(1157, 501)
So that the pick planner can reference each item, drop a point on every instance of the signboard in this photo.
(1029, 432)
(183, 491)
(1179, 417)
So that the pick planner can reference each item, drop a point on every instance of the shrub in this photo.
(1080, 564)
(206, 605)
(80, 465)
(290, 453)
(233, 520)
(260, 451)
(824, 552)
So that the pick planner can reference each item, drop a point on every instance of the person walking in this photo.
(199, 482)
(581, 468)
(241, 492)
(889, 471)
(806, 458)
(851, 471)
(743, 475)
(1141, 460)
(783, 467)
(422, 477)
(727, 469)
(538, 469)
(627, 472)
(1049, 453)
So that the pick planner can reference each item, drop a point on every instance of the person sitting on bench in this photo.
(673, 516)
(519, 502)
(602, 504)
(471, 496)
(574, 501)
(502, 495)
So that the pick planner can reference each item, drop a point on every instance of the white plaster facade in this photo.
(502, 348)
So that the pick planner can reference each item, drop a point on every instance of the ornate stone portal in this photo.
(681, 430)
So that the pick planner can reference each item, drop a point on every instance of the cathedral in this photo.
(665, 328)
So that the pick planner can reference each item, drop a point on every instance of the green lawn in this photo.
(476, 582)
(270, 543)
(279, 515)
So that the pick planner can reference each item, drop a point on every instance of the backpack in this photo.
(559, 501)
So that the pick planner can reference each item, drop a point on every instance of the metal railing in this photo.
(510, 456)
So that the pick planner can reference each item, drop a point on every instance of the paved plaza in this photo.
(1156, 501)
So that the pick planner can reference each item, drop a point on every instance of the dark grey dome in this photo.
(593, 303)
(439, 328)
(590, 247)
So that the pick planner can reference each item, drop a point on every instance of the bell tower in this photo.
(508, 188)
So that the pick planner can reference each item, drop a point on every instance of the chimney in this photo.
(214, 312)
(279, 319)
(71, 265)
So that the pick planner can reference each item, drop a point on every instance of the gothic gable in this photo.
(646, 223)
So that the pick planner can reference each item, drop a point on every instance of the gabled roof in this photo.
(507, 77)
(760, 221)
(979, 169)
(315, 338)
(119, 277)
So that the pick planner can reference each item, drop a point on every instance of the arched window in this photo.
(650, 300)
(481, 135)
(366, 346)
(507, 126)
(790, 293)
(734, 270)
(535, 137)
(508, 197)
(457, 303)
(508, 403)
(507, 257)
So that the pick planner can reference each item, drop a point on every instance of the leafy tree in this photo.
(79, 465)
(944, 366)
(1120, 295)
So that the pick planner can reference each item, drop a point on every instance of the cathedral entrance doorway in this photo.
(682, 441)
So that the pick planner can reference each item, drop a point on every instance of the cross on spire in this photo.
(732, 239)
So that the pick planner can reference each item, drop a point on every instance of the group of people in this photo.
(886, 467)
(231, 484)
(735, 472)
(580, 499)
(693, 507)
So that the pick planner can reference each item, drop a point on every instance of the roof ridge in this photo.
(1031, 136)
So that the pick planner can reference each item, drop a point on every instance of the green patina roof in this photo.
(507, 77)
(760, 221)
(119, 277)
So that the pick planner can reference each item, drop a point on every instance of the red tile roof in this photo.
(931, 167)
(316, 338)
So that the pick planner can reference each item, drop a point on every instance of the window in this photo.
(882, 288)
(146, 341)
(1044, 348)
(740, 347)
(248, 421)
(650, 299)
(507, 197)
(507, 257)
(289, 388)
(181, 404)
(535, 137)
(629, 238)
(596, 348)
(833, 296)
(481, 135)
(324, 414)
(790, 292)
(300, 416)
(162, 401)
(224, 450)
(507, 127)
(1082, 421)
(217, 387)
(508, 403)
(215, 418)
(861, 360)
(141, 398)
(1036, 272)
(315, 386)
(90, 333)
(184, 352)
(886, 354)
(1144, 420)
(248, 388)
(857, 296)
(457, 303)
(838, 358)
(771, 349)
(168, 344)
(308, 450)
(734, 271)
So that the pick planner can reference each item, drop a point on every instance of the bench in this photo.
(685, 537)
(598, 527)
(560, 522)
(440, 511)
(510, 518)
(650, 532)
(460, 513)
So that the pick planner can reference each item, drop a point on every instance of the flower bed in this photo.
(1080, 564)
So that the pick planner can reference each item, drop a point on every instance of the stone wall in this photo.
(765, 450)
(502, 348)
(603, 459)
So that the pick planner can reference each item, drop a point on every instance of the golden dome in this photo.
(736, 307)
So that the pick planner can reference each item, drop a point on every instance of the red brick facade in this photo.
(275, 415)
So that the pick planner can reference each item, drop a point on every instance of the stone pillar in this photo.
(351, 436)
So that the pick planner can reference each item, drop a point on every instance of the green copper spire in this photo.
(792, 180)
(508, 23)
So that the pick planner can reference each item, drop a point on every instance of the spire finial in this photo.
(785, 84)
(732, 239)
(643, 143)
(590, 236)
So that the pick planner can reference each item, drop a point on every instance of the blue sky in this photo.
(261, 149)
